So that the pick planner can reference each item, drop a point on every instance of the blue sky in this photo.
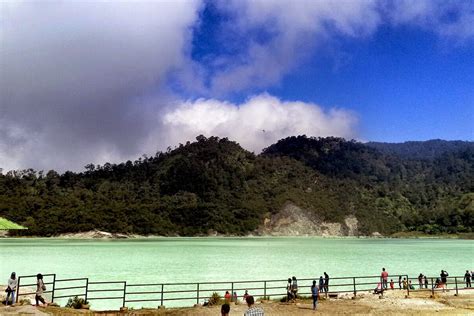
(403, 82)
(94, 82)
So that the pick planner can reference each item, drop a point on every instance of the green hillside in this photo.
(6, 225)
(214, 185)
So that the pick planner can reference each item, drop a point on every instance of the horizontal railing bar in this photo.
(108, 290)
(70, 288)
(35, 275)
(151, 284)
(71, 295)
(105, 298)
(34, 284)
(31, 293)
(106, 282)
(77, 279)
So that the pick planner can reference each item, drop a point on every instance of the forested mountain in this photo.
(428, 150)
(213, 185)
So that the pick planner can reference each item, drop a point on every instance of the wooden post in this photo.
(197, 293)
(124, 293)
(456, 282)
(17, 290)
(87, 289)
(354, 283)
(162, 287)
(432, 287)
(54, 285)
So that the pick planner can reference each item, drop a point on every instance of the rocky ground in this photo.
(393, 303)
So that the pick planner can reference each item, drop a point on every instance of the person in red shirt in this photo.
(384, 278)
(227, 296)
(391, 284)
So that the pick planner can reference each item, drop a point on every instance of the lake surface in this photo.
(169, 260)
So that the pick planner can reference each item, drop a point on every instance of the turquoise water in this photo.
(169, 260)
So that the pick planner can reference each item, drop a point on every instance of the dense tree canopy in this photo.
(213, 185)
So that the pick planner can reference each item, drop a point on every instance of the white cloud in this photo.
(255, 124)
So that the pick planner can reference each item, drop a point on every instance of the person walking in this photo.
(384, 278)
(467, 278)
(253, 311)
(40, 287)
(315, 294)
(11, 288)
(326, 282)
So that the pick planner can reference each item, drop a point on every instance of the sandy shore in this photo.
(393, 303)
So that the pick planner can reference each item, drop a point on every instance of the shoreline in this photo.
(102, 235)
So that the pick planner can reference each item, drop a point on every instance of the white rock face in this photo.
(295, 221)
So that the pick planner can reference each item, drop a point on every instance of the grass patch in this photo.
(5, 224)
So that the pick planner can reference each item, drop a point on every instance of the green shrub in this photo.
(76, 302)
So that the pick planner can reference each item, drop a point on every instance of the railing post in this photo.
(456, 282)
(17, 290)
(124, 292)
(354, 282)
(162, 287)
(54, 285)
(264, 290)
(432, 287)
(87, 289)
(408, 285)
(197, 293)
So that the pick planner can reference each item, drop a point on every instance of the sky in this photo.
(94, 81)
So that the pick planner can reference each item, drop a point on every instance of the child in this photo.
(391, 284)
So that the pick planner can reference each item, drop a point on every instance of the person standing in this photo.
(400, 282)
(253, 311)
(391, 284)
(444, 278)
(321, 283)
(384, 278)
(294, 287)
(420, 280)
(467, 278)
(326, 282)
(426, 282)
(11, 288)
(314, 294)
(289, 294)
(40, 287)
(225, 309)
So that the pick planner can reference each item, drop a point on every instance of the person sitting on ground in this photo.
(412, 287)
(391, 284)
(225, 309)
(253, 311)
(289, 293)
(40, 287)
(467, 278)
(379, 289)
(11, 288)
(437, 284)
(294, 287)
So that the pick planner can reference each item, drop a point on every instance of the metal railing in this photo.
(160, 293)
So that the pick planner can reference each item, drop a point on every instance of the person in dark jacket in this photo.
(326, 282)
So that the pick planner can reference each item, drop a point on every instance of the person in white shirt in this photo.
(11, 288)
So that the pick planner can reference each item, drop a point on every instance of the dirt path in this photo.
(393, 303)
